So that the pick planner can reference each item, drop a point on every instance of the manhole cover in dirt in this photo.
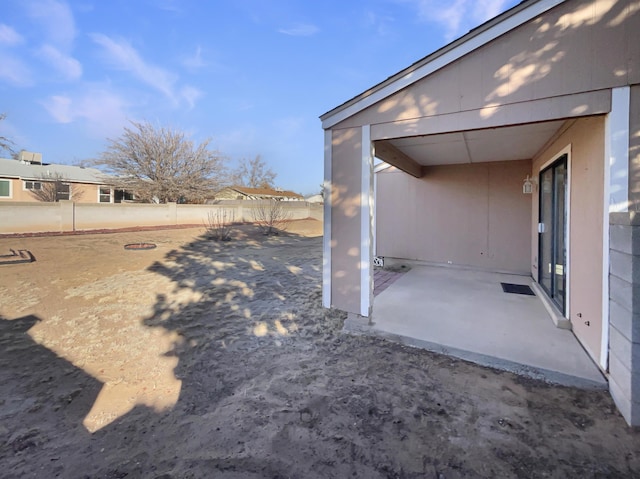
(17, 257)
(139, 246)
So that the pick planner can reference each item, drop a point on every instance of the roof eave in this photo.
(474, 39)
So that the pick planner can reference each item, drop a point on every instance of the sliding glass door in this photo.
(552, 251)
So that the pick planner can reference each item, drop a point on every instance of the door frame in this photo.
(567, 299)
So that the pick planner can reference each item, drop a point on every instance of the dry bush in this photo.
(271, 216)
(219, 224)
(53, 188)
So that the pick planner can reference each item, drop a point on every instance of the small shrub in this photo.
(271, 217)
(219, 224)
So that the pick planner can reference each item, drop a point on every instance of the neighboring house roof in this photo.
(27, 171)
(476, 38)
(265, 192)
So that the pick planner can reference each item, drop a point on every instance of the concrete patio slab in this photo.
(466, 314)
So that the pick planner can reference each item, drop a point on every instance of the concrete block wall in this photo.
(624, 314)
(32, 217)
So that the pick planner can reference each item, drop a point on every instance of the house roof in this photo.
(76, 174)
(476, 38)
(265, 192)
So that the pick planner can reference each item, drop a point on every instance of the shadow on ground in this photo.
(271, 388)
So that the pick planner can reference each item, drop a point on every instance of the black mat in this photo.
(517, 289)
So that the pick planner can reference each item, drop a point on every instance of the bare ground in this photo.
(204, 359)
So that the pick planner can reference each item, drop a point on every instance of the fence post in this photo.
(173, 213)
(67, 215)
(240, 213)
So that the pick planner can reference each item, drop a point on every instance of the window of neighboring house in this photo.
(120, 196)
(63, 191)
(32, 185)
(105, 194)
(5, 188)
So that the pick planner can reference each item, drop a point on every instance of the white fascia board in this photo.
(617, 149)
(616, 193)
(326, 240)
(381, 167)
(478, 40)
(366, 203)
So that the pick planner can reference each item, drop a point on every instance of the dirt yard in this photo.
(204, 359)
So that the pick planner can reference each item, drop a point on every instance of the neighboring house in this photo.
(21, 179)
(245, 193)
(518, 148)
(318, 199)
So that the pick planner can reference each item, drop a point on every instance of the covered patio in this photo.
(511, 151)
(466, 314)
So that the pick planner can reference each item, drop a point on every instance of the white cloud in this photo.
(190, 95)
(300, 30)
(380, 23)
(168, 5)
(59, 107)
(8, 36)
(103, 111)
(125, 57)
(458, 17)
(195, 62)
(14, 71)
(66, 65)
(56, 20)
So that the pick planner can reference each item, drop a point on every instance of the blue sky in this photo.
(252, 75)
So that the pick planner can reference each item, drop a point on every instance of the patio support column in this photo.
(623, 148)
(348, 245)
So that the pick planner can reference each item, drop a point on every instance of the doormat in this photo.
(517, 289)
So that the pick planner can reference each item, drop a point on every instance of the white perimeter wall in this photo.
(68, 216)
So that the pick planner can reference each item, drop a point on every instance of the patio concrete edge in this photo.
(360, 326)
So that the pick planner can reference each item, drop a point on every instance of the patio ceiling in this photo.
(509, 143)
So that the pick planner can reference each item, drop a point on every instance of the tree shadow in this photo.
(44, 397)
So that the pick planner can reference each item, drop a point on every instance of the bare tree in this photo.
(51, 189)
(6, 143)
(271, 216)
(219, 225)
(254, 174)
(162, 164)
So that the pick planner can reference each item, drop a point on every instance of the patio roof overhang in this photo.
(415, 154)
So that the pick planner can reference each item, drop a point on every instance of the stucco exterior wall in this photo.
(471, 215)
(81, 193)
(84, 193)
(345, 219)
(578, 46)
(586, 179)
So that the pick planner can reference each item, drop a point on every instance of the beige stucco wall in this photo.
(586, 177)
(81, 193)
(345, 219)
(472, 215)
(579, 46)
